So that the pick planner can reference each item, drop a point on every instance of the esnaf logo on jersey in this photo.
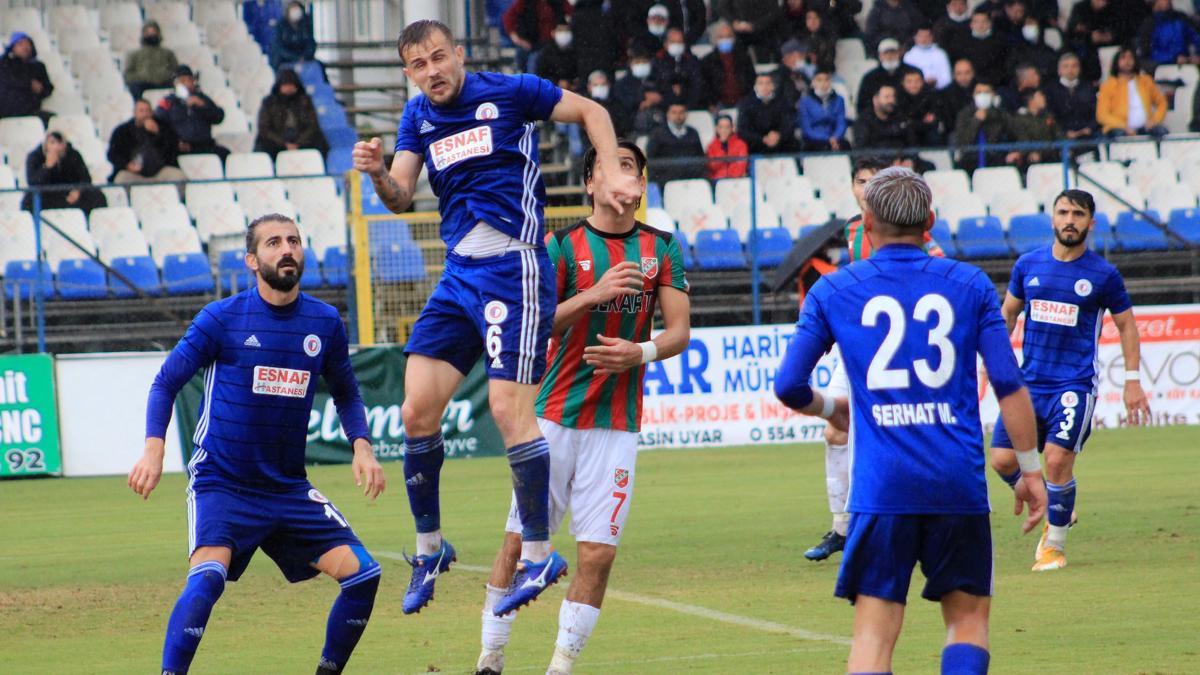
(650, 267)
(1058, 313)
(487, 111)
(272, 381)
(451, 150)
(312, 345)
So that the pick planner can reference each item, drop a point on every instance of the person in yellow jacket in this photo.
(1130, 103)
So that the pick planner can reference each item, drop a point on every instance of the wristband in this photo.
(827, 407)
(1133, 376)
(1029, 461)
(649, 351)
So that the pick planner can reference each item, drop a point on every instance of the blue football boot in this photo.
(426, 569)
(529, 582)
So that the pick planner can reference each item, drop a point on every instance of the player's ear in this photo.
(460, 53)
(252, 261)
(868, 221)
(929, 221)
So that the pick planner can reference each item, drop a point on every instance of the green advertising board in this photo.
(28, 417)
(467, 425)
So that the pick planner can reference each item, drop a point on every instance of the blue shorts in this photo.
(1064, 419)
(294, 528)
(500, 307)
(955, 553)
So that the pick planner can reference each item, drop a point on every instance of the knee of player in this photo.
(596, 556)
(355, 564)
(1059, 463)
(419, 420)
(509, 415)
(1003, 460)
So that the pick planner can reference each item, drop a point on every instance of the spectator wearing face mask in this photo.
(982, 123)
(557, 61)
(953, 28)
(670, 143)
(599, 89)
(727, 152)
(678, 73)
(151, 66)
(192, 114)
(287, 119)
(765, 121)
(1034, 123)
(895, 19)
(292, 41)
(640, 94)
(689, 16)
(57, 162)
(531, 23)
(1032, 49)
(915, 101)
(929, 58)
(1072, 101)
(890, 72)
(881, 126)
(1025, 78)
(821, 41)
(755, 23)
(728, 72)
(24, 83)
(987, 52)
(1168, 36)
(653, 31)
(822, 116)
(957, 95)
(797, 71)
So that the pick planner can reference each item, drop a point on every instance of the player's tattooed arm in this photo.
(396, 186)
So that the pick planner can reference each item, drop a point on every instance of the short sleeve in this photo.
(557, 255)
(1016, 285)
(536, 96)
(1115, 297)
(672, 273)
(406, 135)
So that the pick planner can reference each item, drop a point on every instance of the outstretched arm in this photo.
(616, 189)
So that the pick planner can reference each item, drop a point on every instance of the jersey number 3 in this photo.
(879, 374)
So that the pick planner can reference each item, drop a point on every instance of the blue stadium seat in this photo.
(371, 203)
(341, 137)
(383, 233)
(689, 260)
(312, 271)
(336, 266)
(187, 274)
(719, 250)
(234, 276)
(21, 275)
(944, 238)
(1101, 238)
(773, 245)
(339, 160)
(653, 196)
(981, 237)
(398, 262)
(1030, 231)
(81, 279)
(1186, 223)
(320, 91)
(310, 72)
(1138, 234)
(330, 115)
(141, 271)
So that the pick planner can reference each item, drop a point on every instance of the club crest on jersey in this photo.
(650, 267)
(487, 111)
(585, 265)
(312, 345)
(1083, 288)
(495, 312)
(317, 496)
(1069, 399)
(621, 477)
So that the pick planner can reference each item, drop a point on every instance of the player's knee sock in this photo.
(530, 464)
(349, 615)
(965, 659)
(575, 624)
(837, 485)
(1012, 478)
(496, 629)
(423, 459)
(1058, 511)
(205, 583)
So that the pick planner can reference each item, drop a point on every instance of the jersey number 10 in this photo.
(879, 374)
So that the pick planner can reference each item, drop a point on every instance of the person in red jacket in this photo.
(722, 150)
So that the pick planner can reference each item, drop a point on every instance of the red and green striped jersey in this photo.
(571, 393)
(860, 245)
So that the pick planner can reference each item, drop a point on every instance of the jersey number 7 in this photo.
(879, 374)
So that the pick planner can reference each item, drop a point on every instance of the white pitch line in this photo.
(692, 610)
(688, 657)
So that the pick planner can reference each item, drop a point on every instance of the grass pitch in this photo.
(88, 575)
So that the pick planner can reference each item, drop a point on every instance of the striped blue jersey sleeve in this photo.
(343, 387)
(197, 349)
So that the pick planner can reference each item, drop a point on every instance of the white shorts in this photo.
(592, 475)
(838, 386)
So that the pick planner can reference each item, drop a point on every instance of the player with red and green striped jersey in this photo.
(612, 273)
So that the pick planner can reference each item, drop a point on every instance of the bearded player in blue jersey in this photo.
(1064, 290)
(476, 134)
(909, 327)
(261, 352)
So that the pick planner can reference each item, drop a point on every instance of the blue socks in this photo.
(964, 659)
(1061, 502)
(423, 459)
(530, 464)
(205, 583)
(348, 617)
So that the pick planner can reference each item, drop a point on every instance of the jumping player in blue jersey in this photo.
(1064, 290)
(261, 352)
(476, 134)
(909, 327)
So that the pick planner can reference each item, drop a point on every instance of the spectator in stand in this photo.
(929, 58)
(1129, 102)
(24, 83)
(895, 19)
(796, 73)
(287, 119)
(765, 121)
(557, 60)
(1168, 36)
(821, 41)
(727, 152)
(1036, 124)
(728, 72)
(822, 116)
(756, 24)
(530, 24)
(882, 126)
(639, 94)
(916, 101)
(952, 30)
(1032, 49)
(56, 162)
(890, 72)
(957, 96)
(678, 72)
(599, 89)
(1092, 24)
(793, 20)
(292, 41)
(653, 29)
(689, 16)
(839, 15)
(192, 114)
(1011, 21)
(594, 34)
(980, 124)
(143, 150)
(1072, 101)
(1026, 78)
(671, 143)
(151, 66)
(987, 52)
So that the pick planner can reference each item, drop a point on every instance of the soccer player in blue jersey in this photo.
(476, 133)
(1064, 290)
(909, 326)
(261, 352)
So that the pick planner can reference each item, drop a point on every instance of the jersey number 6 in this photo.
(879, 375)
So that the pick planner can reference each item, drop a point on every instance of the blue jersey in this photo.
(1064, 311)
(260, 367)
(481, 152)
(909, 326)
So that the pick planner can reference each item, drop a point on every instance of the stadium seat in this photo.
(81, 280)
(139, 270)
(113, 13)
(1132, 150)
(187, 274)
(828, 172)
(1180, 149)
(773, 245)
(990, 181)
(299, 163)
(21, 278)
(659, 219)
(172, 241)
(69, 223)
(232, 274)
(765, 218)
(312, 271)
(124, 37)
(305, 191)
(719, 250)
(702, 122)
(166, 12)
(1101, 240)
(19, 136)
(732, 194)
(260, 197)
(116, 233)
(689, 260)
(1146, 174)
(1135, 233)
(25, 19)
(201, 196)
(73, 127)
(1166, 197)
(781, 189)
(800, 212)
(202, 167)
(220, 33)
(981, 237)
(1186, 223)
(335, 266)
(147, 200)
(944, 238)
(653, 196)
(947, 184)
(698, 218)
(220, 220)
(1008, 204)
(1029, 231)
(1045, 181)
(1109, 174)
(177, 35)
(773, 168)
(249, 165)
(397, 262)
(963, 206)
(1127, 197)
(680, 196)
(17, 239)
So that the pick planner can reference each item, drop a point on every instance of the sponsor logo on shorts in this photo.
(288, 382)
(1058, 313)
(487, 111)
(495, 312)
(451, 150)
(621, 477)
(1070, 399)
(614, 530)
(312, 345)
(650, 267)
(1083, 288)
(317, 496)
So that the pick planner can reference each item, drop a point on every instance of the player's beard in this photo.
(1071, 241)
(282, 282)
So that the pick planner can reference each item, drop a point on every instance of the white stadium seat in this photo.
(801, 211)
(249, 165)
(202, 167)
(681, 195)
(775, 167)
(1045, 181)
(702, 122)
(146, 199)
(173, 216)
(260, 197)
(1008, 204)
(1132, 150)
(965, 206)
(175, 240)
(220, 220)
(73, 224)
(947, 184)
(306, 162)
(114, 13)
(765, 217)
(1145, 174)
(993, 180)
(702, 217)
(660, 219)
(17, 239)
(201, 196)
(116, 233)
(784, 188)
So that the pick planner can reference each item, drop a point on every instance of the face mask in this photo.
(563, 39)
(295, 14)
(600, 92)
(1030, 33)
(677, 129)
(958, 18)
(675, 49)
(982, 36)
(640, 70)
(890, 65)
(725, 45)
(152, 40)
(822, 92)
(182, 91)
(983, 100)
(1069, 84)
(765, 98)
(924, 48)
(657, 29)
